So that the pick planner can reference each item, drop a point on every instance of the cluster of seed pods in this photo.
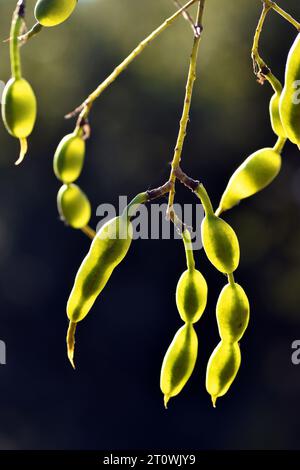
(112, 242)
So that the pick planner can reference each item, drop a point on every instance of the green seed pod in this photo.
(289, 102)
(107, 250)
(232, 313)
(257, 172)
(179, 362)
(222, 368)
(73, 206)
(53, 12)
(220, 244)
(19, 108)
(275, 116)
(191, 295)
(69, 158)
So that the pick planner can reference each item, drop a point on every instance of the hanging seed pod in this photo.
(53, 12)
(191, 295)
(107, 250)
(18, 108)
(220, 244)
(73, 206)
(253, 175)
(232, 313)
(69, 158)
(222, 369)
(179, 362)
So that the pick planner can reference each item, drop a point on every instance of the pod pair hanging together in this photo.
(73, 205)
(233, 317)
(181, 356)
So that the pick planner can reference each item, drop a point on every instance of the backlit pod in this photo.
(254, 174)
(73, 206)
(191, 299)
(191, 291)
(232, 312)
(107, 250)
(289, 101)
(69, 157)
(220, 244)
(233, 317)
(53, 12)
(222, 369)
(219, 240)
(19, 106)
(179, 362)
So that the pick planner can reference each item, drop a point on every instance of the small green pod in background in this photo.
(253, 175)
(53, 12)
(222, 368)
(233, 312)
(220, 244)
(289, 106)
(69, 158)
(179, 362)
(191, 295)
(73, 206)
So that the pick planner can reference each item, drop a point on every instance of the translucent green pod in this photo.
(53, 12)
(233, 311)
(289, 106)
(275, 118)
(107, 250)
(179, 362)
(69, 158)
(73, 206)
(257, 172)
(19, 108)
(222, 368)
(191, 295)
(220, 244)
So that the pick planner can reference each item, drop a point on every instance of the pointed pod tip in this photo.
(71, 359)
(214, 401)
(23, 151)
(71, 343)
(166, 401)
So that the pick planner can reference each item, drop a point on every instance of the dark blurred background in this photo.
(113, 400)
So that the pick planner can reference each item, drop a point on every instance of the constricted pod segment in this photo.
(222, 369)
(179, 362)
